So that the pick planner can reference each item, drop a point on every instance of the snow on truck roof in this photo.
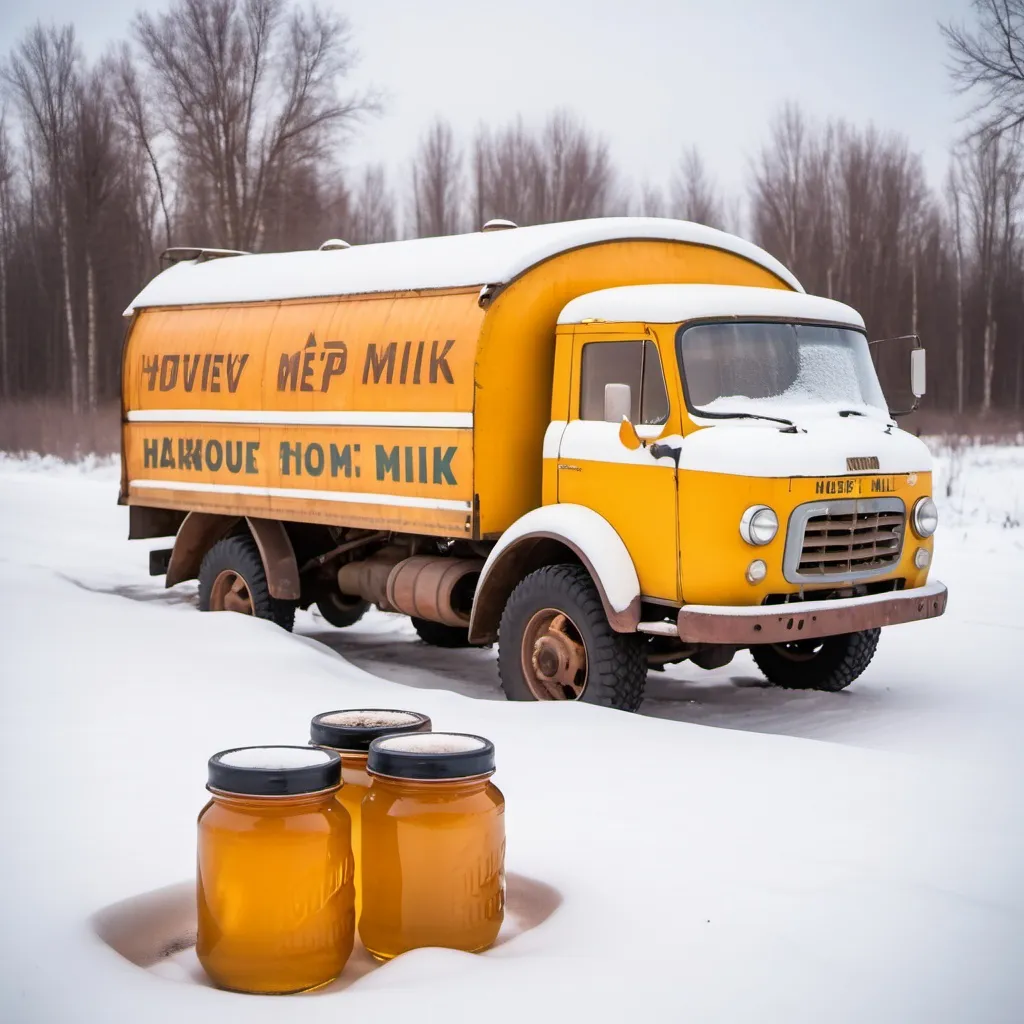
(453, 261)
(674, 303)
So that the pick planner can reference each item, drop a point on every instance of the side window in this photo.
(635, 363)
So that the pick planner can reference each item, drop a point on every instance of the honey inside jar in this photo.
(349, 733)
(433, 845)
(275, 886)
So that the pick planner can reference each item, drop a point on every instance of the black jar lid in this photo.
(274, 771)
(355, 729)
(431, 756)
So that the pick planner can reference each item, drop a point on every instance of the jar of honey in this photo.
(433, 846)
(350, 733)
(275, 871)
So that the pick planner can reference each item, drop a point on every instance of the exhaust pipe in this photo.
(424, 586)
(368, 577)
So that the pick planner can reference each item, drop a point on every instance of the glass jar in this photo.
(275, 871)
(350, 733)
(433, 845)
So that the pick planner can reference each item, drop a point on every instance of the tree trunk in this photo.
(959, 320)
(5, 369)
(90, 288)
(69, 318)
(913, 281)
(988, 357)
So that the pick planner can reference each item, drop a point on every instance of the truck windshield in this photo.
(777, 369)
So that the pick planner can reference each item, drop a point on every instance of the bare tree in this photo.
(954, 189)
(133, 108)
(93, 173)
(248, 88)
(652, 201)
(372, 217)
(989, 60)
(694, 196)
(506, 170)
(575, 174)
(6, 178)
(992, 180)
(43, 73)
(437, 182)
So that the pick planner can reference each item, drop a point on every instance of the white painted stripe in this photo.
(598, 441)
(354, 497)
(333, 418)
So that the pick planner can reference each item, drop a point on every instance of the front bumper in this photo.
(778, 624)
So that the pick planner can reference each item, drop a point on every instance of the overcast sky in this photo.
(651, 75)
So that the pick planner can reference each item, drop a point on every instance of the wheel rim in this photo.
(801, 650)
(230, 593)
(554, 657)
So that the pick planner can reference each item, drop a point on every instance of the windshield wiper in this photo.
(755, 416)
(851, 412)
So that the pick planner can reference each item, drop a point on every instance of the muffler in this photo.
(434, 588)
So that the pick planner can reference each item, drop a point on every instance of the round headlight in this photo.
(759, 525)
(925, 517)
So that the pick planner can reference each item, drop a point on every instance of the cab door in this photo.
(634, 491)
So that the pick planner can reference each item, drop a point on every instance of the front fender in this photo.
(548, 536)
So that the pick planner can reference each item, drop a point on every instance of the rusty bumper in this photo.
(775, 624)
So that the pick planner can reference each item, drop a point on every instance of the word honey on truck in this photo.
(609, 444)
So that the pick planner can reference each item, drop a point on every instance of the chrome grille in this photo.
(844, 539)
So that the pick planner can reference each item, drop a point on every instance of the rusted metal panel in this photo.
(533, 551)
(776, 624)
(278, 558)
(198, 533)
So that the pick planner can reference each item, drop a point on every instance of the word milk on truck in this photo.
(609, 445)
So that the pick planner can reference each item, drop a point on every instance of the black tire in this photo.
(240, 556)
(437, 634)
(340, 610)
(831, 663)
(616, 665)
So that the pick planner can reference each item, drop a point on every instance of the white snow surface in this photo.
(453, 261)
(731, 853)
(760, 448)
(432, 743)
(275, 758)
(593, 537)
(674, 303)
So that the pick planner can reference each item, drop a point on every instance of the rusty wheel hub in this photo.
(230, 593)
(554, 657)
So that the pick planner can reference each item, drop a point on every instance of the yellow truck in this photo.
(609, 445)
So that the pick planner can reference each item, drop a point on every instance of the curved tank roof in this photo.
(674, 303)
(453, 261)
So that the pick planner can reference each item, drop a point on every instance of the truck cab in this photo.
(737, 441)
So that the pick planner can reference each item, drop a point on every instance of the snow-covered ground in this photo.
(734, 852)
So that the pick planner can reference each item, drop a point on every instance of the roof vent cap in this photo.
(499, 224)
(334, 243)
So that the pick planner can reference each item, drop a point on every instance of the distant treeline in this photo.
(229, 123)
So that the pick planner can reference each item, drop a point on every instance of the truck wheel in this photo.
(555, 643)
(830, 663)
(341, 610)
(232, 579)
(437, 634)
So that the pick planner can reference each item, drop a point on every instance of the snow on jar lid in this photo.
(274, 771)
(356, 729)
(431, 756)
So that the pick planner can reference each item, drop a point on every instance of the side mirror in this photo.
(917, 373)
(618, 402)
